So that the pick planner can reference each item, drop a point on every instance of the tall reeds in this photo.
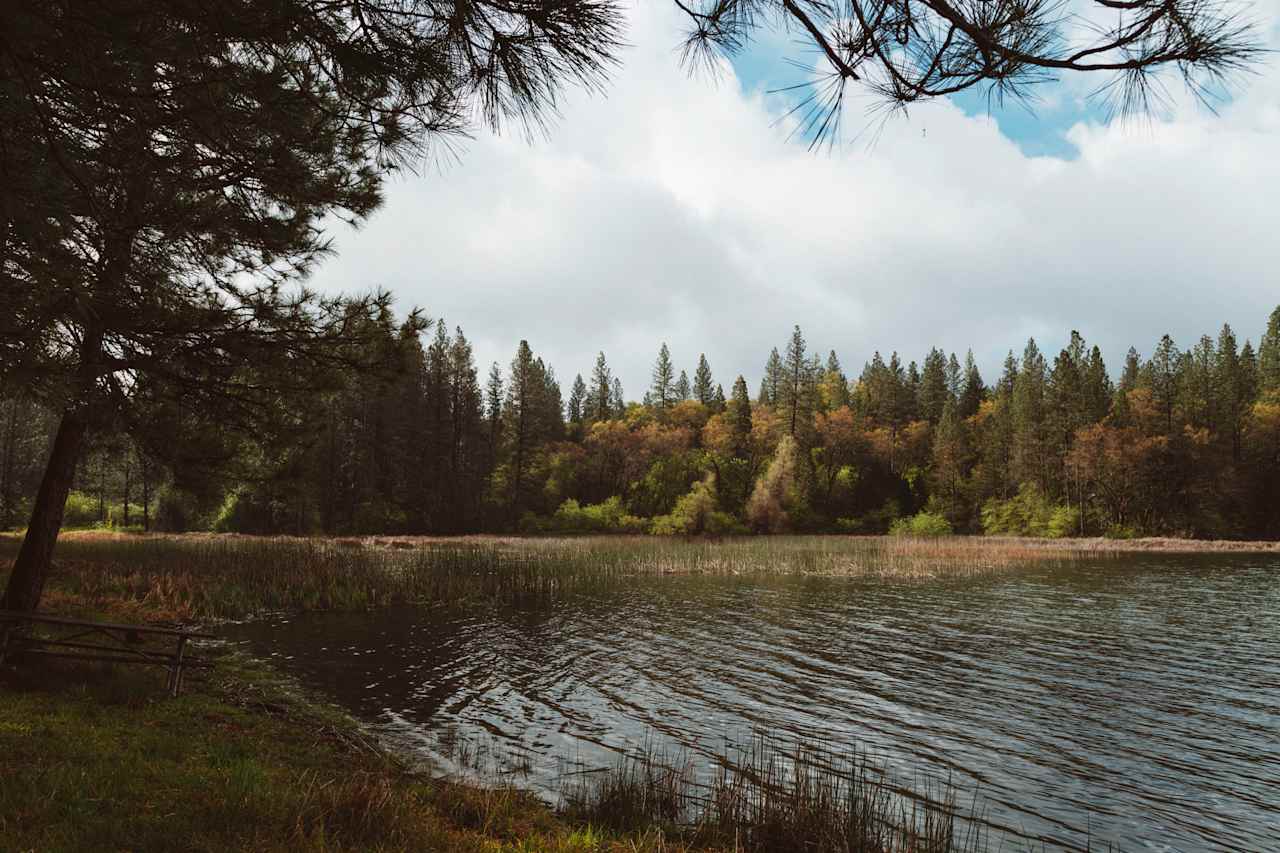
(772, 797)
(229, 576)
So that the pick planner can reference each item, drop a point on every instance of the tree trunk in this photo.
(26, 583)
(8, 493)
(128, 472)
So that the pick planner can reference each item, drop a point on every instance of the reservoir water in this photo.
(1130, 701)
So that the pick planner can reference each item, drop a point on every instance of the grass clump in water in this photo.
(771, 799)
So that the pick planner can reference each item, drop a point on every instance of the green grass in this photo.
(98, 758)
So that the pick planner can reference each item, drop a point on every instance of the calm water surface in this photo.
(1135, 702)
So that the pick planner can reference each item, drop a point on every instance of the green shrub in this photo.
(81, 510)
(178, 511)
(608, 516)
(921, 524)
(1064, 521)
(697, 512)
(1029, 513)
(878, 520)
(1120, 531)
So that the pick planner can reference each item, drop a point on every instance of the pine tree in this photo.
(738, 414)
(521, 414)
(973, 392)
(663, 392)
(1029, 460)
(955, 377)
(466, 461)
(577, 398)
(934, 392)
(950, 466)
(703, 391)
(494, 395)
(1009, 377)
(1249, 372)
(792, 398)
(617, 402)
(771, 384)
(552, 402)
(718, 402)
(1232, 389)
(682, 390)
(1163, 375)
(1200, 394)
(834, 385)
(1097, 391)
(601, 408)
(1131, 374)
(1269, 355)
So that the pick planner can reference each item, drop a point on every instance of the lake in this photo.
(1130, 700)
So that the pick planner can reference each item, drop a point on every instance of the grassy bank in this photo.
(93, 759)
(195, 576)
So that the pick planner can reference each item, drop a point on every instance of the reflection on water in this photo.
(1133, 702)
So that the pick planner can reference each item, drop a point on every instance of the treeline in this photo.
(1183, 442)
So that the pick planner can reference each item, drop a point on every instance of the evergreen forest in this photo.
(1180, 442)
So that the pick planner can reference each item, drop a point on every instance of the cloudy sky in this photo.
(676, 209)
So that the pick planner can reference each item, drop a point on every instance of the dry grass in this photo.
(194, 576)
(191, 576)
(768, 797)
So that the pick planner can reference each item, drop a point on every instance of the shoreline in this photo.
(1089, 544)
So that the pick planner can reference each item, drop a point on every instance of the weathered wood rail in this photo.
(24, 634)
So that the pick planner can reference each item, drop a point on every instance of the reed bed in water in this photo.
(230, 576)
(769, 796)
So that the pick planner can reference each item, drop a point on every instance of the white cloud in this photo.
(677, 210)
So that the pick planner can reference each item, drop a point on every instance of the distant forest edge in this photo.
(1182, 443)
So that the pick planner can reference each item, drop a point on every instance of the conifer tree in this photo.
(1132, 371)
(663, 390)
(1269, 355)
(1009, 376)
(1029, 459)
(682, 390)
(955, 377)
(521, 413)
(577, 398)
(1097, 391)
(494, 395)
(950, 466)
(834, 386)
(771, 384)
(934, 391)
(1163, 375)
(738, 413)
(601, 397)
(617, 402)
(973, 391)
(1199, 385)
(1232, 389)
(703, 391)
(718, 402)
(794, 399)
(1249, 372)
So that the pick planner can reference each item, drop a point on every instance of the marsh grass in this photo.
(769, 795)
(195, 576)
